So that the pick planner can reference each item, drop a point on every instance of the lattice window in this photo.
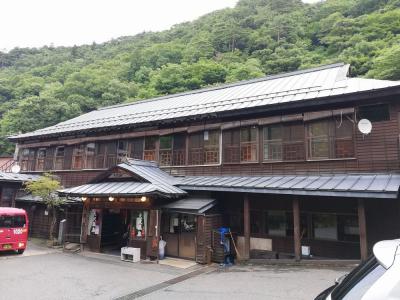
(78, 154)
(179, 150)
(136, 148)
(165, 153)
(90, 155)
(150, 148)
(28, 159)
(41, 157)
(59, 158)
(331, 138)
(248, 144)
(122, 150)
(204, 147)
(231, 145)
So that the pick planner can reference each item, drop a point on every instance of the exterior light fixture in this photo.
(84, 199)
(111, 199)
(143, 199)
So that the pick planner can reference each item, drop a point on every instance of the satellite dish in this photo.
(15, 168)
(365, 126)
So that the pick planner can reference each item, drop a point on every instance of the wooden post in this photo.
(362, 226)
(296, 231)
(246, 227)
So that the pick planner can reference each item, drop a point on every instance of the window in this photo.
(248, 144)
(284, 142)
(255, 222)
(16, 221)
(136, 148)
(7, 196)
(78, 157)
(90, 155)
(231, 146)
(111, 154)
(100, 155)
(332, 138)
(41, 157)
(28, 159)
(240, 145)
(150, 144)
(204, 147)
(276, 223)
(211, 146)
(122, 151)
(166, 150)
(179, 150)
(325, 226)
(374, 113)
(358, 281)
(59, 158)
(348, 228)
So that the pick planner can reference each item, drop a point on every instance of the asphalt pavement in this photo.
(42, 273)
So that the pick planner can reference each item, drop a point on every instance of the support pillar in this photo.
(362, 227)
(246, 227)
(296, 231)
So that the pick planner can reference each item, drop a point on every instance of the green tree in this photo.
(387, 65)
(46, 188)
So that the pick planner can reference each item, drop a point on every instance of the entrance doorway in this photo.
(113, 231)
(179, 231)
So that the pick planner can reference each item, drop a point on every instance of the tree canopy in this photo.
(43, 86)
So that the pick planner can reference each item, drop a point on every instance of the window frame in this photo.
(57, 158)
(204, 150)
(78, 157)
(41, 160)
(332, 138)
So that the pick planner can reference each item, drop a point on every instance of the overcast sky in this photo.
(34, 23)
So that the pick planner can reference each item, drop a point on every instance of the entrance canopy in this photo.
(130, 178)
(196, 206)
(357, 185)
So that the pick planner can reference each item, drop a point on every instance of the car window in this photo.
(365, 283)
(12, 221)
(356, 277)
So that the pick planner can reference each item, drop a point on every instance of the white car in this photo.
(378, 278)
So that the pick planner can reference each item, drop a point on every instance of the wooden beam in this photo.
(362, 226)
(246, 226)
(296, 231)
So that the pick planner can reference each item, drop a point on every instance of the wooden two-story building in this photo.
(279, 160)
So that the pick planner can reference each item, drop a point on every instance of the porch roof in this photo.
(190, 205)
(347, 185)
(17, 177)
(127, 188)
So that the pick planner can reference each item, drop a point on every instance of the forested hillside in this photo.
(40, 87)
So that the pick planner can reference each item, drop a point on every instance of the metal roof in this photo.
(325, 81)
(147, 170)
(17, 177)
(155, 180)
(24, 197)
(190, 205)
(354, 185)
(129, 188)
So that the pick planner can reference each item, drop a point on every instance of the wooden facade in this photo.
(319, 137)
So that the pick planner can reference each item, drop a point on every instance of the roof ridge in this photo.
(228, 85)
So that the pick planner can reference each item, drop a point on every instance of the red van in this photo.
(13, 229)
